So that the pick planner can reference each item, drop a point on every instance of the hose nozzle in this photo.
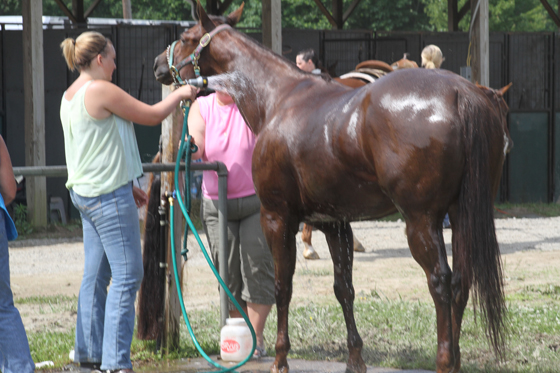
(200, 82)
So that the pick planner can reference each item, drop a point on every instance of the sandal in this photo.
(259, 352)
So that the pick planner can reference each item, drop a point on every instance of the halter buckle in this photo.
(173, 70)
(205, 40)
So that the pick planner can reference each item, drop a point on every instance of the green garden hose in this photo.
(188, 150)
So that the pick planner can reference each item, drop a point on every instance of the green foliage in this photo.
(505, 15)
(303, 14)
(380, 15)
(20, 220)
(10, 7)
(389, 15)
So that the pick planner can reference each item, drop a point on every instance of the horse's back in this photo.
(414, 128)
(397, 137)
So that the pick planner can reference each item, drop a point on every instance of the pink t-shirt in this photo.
(228, 140)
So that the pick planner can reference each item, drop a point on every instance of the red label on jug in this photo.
(230, 346)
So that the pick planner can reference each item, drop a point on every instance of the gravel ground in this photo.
(529, 249)
(386, 239)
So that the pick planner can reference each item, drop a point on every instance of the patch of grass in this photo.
(508, 210)
(314, 272)
(52, 304)
(393, 217)
(53, 346)
(53, 230)
(396, 334)
(539, 295)
(20, 220)
(54, 299)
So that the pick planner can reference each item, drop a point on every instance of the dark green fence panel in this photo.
(528, 165)
(557, 158)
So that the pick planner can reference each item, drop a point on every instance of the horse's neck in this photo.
(255, 77)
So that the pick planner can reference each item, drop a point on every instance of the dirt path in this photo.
(530, 252)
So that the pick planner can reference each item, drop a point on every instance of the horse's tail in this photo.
(480, 262)
(152, 289)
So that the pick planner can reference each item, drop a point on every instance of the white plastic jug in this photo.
(236, 340)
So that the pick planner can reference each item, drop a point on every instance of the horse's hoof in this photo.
(358, 247)
(310, 253)
(356, 365)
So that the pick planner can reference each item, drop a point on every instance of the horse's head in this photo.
(496, 97)
(181, 52)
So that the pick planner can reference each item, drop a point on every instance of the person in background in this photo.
(221, 134)
(15, 356)
(99, 181)
(307, 60)
(432, 58)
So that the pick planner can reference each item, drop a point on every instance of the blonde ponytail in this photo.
(80, 52)
(68, 47)
(432, 58)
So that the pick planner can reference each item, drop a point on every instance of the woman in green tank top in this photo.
(99, 174)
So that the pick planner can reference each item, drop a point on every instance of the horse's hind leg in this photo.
(281, 238)
(460, 285)
(308, 252)
(340, 240)
(426, 244)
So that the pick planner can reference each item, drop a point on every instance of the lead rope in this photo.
(188, 150)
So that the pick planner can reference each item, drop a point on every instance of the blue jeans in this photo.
(112, 249)
(14, 348)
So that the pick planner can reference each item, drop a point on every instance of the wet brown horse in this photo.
(422, 142)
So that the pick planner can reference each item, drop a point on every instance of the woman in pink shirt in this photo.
(221, 134)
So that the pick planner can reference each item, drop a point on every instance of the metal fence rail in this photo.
(219, 167)
(61, 171)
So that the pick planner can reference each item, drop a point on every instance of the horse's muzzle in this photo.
(161, 70)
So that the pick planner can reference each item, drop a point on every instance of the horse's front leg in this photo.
(426, 244)
(281, 239)
(340, 240)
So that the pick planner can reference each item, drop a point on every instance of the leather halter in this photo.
(193, 58)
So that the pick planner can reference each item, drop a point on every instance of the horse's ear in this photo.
(203, 18)
(502, 91)
(235, 16)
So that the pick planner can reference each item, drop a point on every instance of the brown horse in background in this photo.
(422, 142)
(404, 63)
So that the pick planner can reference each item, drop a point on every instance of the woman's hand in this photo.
(140, 197)
(188, 92)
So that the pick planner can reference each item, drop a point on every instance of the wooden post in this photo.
(34, 103)
(272, 25)
(337, 14)
(452, 18)
(480, 43)
(127, 9)
(170, 140)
